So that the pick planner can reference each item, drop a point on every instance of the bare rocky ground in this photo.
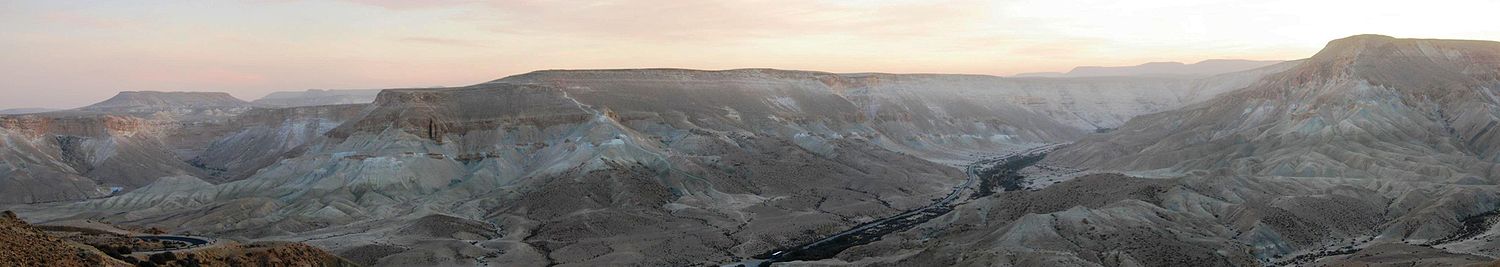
(639, 167)
(1404, 255)
(27, 245)
(1311, 166)
(1311, 161)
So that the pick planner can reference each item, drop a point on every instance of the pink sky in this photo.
(66, 54)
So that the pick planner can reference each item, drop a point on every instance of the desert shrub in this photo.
(163, 258)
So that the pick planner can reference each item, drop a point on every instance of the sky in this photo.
(64, 54)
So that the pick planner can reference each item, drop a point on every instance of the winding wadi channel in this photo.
(831, 245)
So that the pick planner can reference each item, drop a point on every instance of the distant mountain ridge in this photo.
(317, 97)
(143, 100)
(1162, 69)
(18, 111)
(205, 135)
(1368, 149)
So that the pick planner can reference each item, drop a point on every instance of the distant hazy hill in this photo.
(318, 97)
(15, 111)
(1204, 68)
(153, 100)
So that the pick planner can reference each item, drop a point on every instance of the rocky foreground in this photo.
(27, 245)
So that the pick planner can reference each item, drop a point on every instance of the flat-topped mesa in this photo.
(1429, 67)
(1452, 66)
(1370, 49)
(1352, 45)
(743, 81)
(277, 115)
(1203, 68)
(755, 95)
(143, 100)
(317, 97)
(434, 112)
(755, 100)
(544, 76)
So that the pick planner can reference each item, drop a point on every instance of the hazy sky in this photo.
(72, 53)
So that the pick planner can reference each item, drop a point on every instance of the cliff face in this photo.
(260, 137)
(907, 114)
(76, 155)
(434, 113)
(1083, 103)
(92, 126)
(61, 158)
(1357, 109)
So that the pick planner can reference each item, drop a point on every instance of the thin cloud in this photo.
(725, 21)
(71, 53)
(78, 19)
(445, 42)
(412, 4)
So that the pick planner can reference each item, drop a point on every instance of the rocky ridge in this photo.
(1372, 143)
(1359, 108)
(1374, 148)
(734, 162)
(1162, 69)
